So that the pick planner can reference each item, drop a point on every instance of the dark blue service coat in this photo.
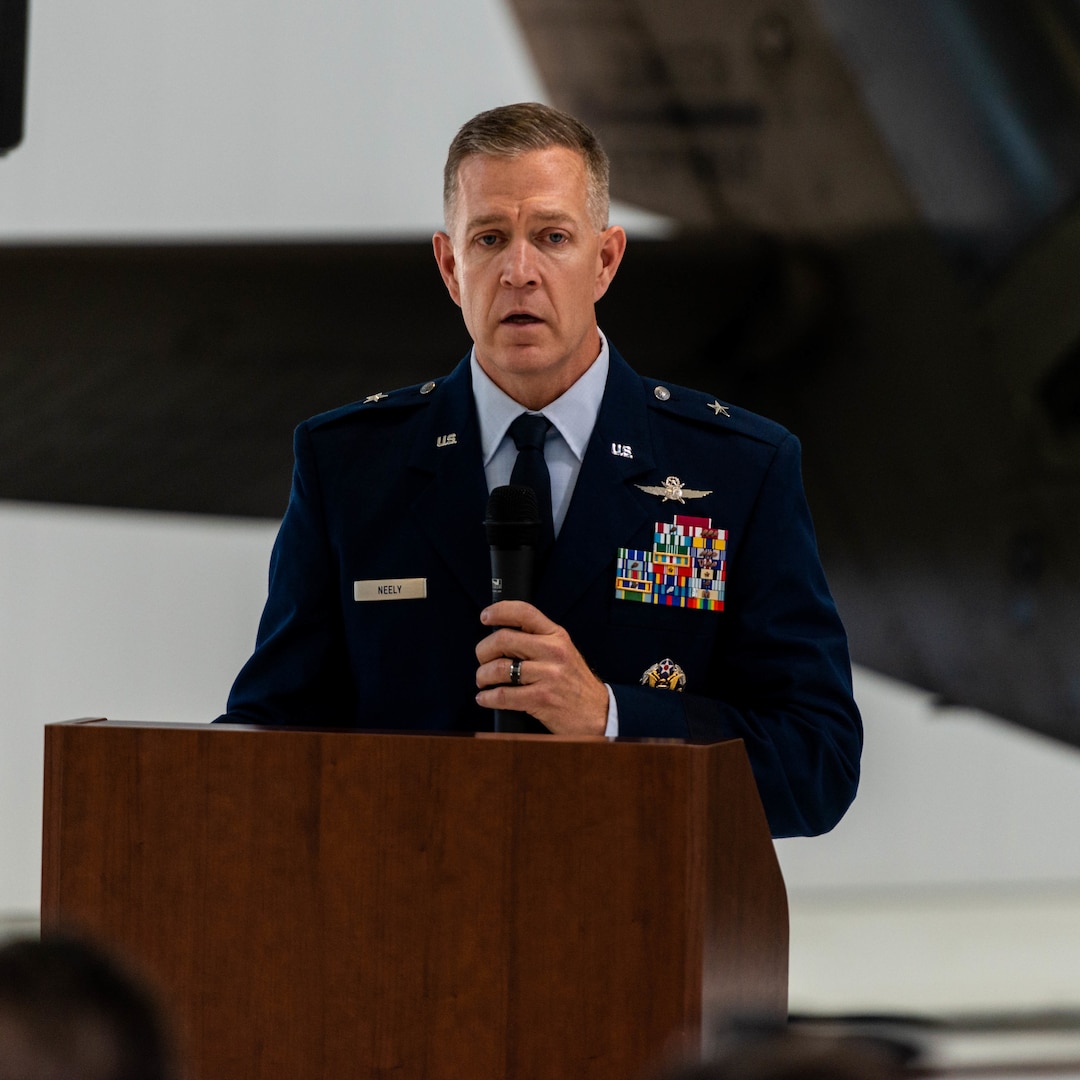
(394, 488)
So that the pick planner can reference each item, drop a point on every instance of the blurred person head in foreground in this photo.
(68, 1011)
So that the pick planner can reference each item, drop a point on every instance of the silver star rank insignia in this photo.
(718, 409)
(673, 490)
(374, 397)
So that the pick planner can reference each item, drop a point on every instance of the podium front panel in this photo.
(350, 904)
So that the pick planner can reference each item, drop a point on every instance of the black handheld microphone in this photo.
(512, 524)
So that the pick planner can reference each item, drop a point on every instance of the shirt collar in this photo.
(573, 414)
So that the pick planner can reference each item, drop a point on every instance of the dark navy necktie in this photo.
(530, 470)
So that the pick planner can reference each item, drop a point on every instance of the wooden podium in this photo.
(337, 904)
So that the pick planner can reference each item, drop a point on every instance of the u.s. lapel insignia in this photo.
(664, 675)
(686, 566)
(673, 490)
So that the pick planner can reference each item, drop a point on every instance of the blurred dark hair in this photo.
(68, 1011)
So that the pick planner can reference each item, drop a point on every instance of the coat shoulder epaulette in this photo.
(406, 397)
(710, 411)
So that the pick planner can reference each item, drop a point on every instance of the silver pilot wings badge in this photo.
(673, 490)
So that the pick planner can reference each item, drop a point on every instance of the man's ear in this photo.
(612, 249)
(444, 256)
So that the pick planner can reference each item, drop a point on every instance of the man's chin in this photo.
(518, 359)
(523, 359)
(524, 347)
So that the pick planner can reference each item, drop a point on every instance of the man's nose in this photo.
(519, 266)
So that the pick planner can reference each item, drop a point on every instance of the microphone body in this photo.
(512, 524)
(512, 573)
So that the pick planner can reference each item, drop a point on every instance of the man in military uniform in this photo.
(682, 595)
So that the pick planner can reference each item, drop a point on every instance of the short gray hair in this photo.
(514, 129)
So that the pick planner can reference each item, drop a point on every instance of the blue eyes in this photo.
(557, 238)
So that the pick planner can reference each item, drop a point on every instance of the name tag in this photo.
(409, 588)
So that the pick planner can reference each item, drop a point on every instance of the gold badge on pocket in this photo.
(664, 675)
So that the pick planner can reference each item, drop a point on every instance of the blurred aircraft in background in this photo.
(877, 243)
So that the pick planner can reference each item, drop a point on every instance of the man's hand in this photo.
(556, 686)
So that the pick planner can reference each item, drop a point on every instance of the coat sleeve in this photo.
(781, 673)
(298, 673)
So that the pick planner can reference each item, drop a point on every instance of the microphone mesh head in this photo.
(512, 519)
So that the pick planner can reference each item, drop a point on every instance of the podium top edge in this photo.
(104, 722)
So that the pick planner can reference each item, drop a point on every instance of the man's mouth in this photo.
(521, 318)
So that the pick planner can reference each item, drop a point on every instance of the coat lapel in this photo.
(606, 510)
(448, 491)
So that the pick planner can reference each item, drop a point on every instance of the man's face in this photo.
(526, 265)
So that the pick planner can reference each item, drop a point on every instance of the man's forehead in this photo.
(564, 160)
(548, 183)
